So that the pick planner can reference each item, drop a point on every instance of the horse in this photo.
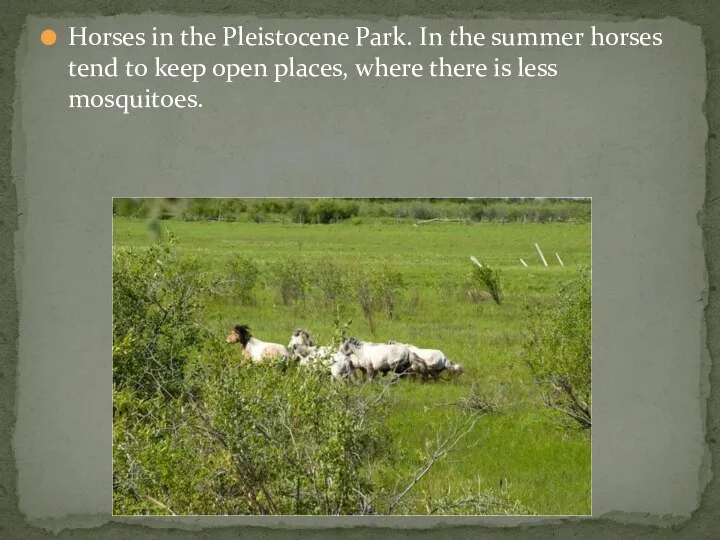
(253, 348)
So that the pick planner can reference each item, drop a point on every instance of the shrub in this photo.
(388, 283)
(223, 437)
(230, 209)
(332, 210)
(501, 212)
(128, 207)
(422, 211)
(514, 214)
(295, 443)
(202, 209)
(399, 211)
(545, 214)
(248, 442)
(160, 464)
(485, 401)
(243, 274)
(490, 212)
(558, 349)
(477, 500)
(562, 213)
(157, 299)
(328, 277)
(290, 277)
(377, 289)
(477, 212)
(489, 280)
(270, 206)
(300, 212)
(365, 295)
(253, 442)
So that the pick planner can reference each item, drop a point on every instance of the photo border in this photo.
(697, 12)
(544, 517)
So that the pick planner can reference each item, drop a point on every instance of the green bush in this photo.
(329, 279)
(490, 213)
(489, 280)
(296, 442)
(270, 206)
(258, 217)
(203, 209)
(335, 210)
(558, 349)
(300, 212)
(364, 294)
(290, 277)
(243, 275)
(162, 465)
(129, 207)
(198, 430)
(248, 439)
(422, 211)
(230, 209)
(477, 212)
(546, 214)
(158, 298)
(375, 290)
(477, 500)
(332, 210)
(388, 284)
(515, 214)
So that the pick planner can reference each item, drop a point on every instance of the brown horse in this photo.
(253, 348)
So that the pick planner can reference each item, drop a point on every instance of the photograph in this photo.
(352, 356)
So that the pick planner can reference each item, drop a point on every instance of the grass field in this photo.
(520, 448)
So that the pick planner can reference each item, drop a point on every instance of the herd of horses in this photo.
(353, 355)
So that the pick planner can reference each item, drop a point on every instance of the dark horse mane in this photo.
(243, 331)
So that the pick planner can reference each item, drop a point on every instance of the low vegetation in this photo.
(488, 280)
(558, 349)
(306, 211)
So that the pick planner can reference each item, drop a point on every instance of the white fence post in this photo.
(541, 254)
(473, 259)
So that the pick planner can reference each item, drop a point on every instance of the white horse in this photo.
(303, 348)
(433, 364)
(378, 357)
(253, 348)
(306, 351)
(342, 366)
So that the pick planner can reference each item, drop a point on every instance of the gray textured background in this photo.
(632, 143)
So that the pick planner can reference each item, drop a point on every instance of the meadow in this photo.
(518, 448)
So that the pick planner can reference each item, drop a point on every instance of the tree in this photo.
(558, 349)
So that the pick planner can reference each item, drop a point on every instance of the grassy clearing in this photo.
(547, 469)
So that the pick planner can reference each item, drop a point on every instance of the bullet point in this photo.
(48, 37)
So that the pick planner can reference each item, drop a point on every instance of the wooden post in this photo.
(541, 254)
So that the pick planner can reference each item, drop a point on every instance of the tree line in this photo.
(326, 210)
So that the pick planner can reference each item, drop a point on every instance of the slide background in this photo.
(701, 523)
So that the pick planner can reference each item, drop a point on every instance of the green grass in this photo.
(547, 468)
